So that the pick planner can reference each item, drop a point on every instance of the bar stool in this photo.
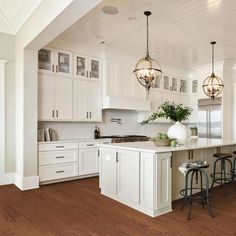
(222, 176)
(234, 166)
(196, 169)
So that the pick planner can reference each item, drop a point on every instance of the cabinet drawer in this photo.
(57, 157)
(59, 146)
(88, 145)
(54, 172)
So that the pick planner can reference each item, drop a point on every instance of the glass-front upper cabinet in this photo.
(183, 86)
(194, 86)
(52, 60)
(86, 67)
(46, 60)
(80, 69)
(166, 82)
(63, 62)
(174, 84)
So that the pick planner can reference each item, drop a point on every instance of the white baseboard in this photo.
(26, 183)
(7, 178)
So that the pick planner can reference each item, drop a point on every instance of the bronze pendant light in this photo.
(148, 71)
(213, 85)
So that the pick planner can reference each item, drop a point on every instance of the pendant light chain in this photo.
(213, 58)
(147, 38)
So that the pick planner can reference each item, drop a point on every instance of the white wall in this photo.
(49, 19)
(75, 130)
(7, 52)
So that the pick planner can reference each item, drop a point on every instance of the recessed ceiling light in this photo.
(132, 18)
(110, 10)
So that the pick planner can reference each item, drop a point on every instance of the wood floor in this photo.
(76, 208)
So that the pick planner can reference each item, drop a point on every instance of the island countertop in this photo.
(149, 146)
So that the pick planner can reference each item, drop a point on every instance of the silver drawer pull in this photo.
(106, 142)
(60, 157)
(89, 145)
(60, 171)
(59, 146)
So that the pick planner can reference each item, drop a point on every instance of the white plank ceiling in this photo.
(13, 14)
(180, 30)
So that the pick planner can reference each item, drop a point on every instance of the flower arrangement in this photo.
(172, 111)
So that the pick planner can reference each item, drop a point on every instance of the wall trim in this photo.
(7, 178)
(26, 183)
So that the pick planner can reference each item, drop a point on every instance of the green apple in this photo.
(173, 143)
(159, 135)
(164, 136)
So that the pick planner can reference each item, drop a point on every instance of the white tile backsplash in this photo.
(74, 130)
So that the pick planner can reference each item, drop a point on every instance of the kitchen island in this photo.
(146, 177)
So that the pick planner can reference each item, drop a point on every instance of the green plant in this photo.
(172, 111)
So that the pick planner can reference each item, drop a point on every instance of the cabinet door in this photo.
(63, 61)
(64, 98)
(183, 86)
(80, 67)
(174, 84)
(166, 82)
(46, 60)
(95, 98)
(94, 67)
(127, 180)
(81, 100)
(183, 99)
(107, 175)
(88, 161)
(46, 110)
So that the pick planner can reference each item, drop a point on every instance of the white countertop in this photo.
(149, 146)
(76, 140)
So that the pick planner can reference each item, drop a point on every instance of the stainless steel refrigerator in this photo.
(209, 118)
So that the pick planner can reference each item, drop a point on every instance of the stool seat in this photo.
(222, 155)
(234, 152)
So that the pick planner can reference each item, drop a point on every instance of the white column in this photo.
(2, 117)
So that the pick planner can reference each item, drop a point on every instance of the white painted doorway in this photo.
(2, 117)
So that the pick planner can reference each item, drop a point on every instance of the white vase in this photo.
(178, 131)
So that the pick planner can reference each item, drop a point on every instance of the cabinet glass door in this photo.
(194, 86)
(183, 86)
(45, 60)
(80, 66)
(94, 69)
(63, 63)
(173, 86)
(166, 82)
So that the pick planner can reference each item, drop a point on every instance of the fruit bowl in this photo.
(161, 142)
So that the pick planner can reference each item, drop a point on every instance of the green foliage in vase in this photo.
(172, 111)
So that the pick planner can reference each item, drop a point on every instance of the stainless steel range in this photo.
(127, 138)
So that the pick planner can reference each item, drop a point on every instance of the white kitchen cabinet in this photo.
(183, 99)
(57, 162)
(88, 161)
(87, 100)
(87, 67)
(121, 88)
(183, 86)
(55, 61)
(55, 96)
(127, 180)
(170, 83)
(141, 180)
(107, 177)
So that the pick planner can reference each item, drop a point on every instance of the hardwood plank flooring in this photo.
(77, 208)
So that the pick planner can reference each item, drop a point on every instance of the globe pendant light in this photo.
(212, 85)
(147, 70)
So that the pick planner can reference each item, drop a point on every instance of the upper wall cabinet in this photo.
(56, 61)
(87, 67)
(183, 86)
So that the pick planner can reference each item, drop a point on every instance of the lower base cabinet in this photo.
(141, 180)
